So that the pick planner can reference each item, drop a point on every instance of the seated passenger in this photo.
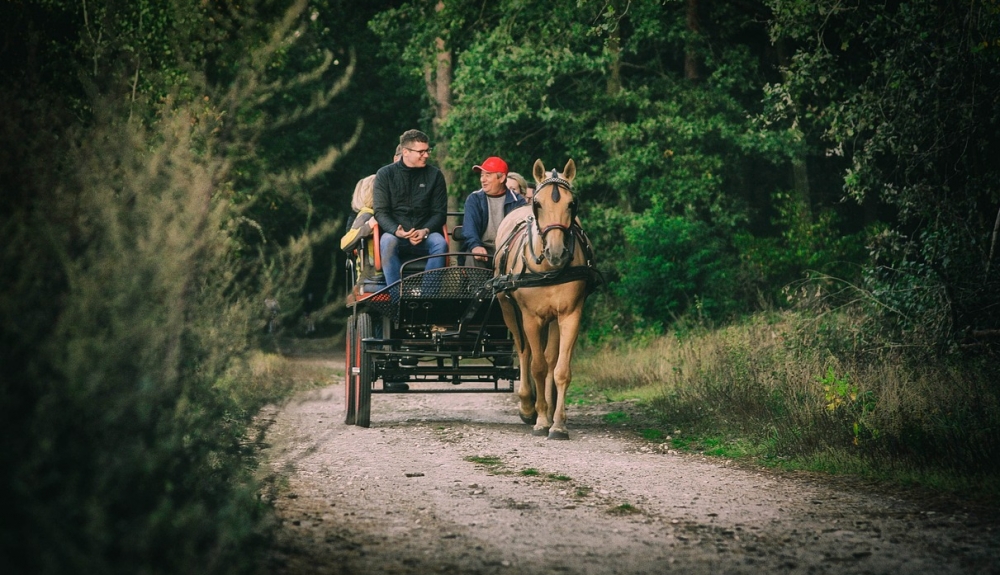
(486, 207)
(411, 204)
(517, 184)
(362, 204)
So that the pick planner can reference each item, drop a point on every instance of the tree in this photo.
(906, 92)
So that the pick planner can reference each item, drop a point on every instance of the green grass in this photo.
(624, 509)
(652, 435)
(615, 417)
(785, 391)
(485, 460)
(532, 472)
(580, 395)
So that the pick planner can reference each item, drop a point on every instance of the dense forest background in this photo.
(167, 165)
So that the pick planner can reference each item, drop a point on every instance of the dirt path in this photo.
(454, 483)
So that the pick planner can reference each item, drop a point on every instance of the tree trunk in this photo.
(612, 88)
(692, 62)
(438, 79)
(800, 169)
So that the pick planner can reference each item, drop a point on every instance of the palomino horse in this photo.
(544, 271)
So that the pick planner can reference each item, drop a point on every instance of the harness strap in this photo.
(515, 241)
(510, 282)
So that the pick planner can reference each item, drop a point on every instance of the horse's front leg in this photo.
(539, 367)
(525, 389)
(569, 328)
(551, 357)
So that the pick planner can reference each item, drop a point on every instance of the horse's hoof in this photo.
(528, 420)
(540, 432)
(558, 435)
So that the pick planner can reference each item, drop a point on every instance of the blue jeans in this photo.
(394, 250)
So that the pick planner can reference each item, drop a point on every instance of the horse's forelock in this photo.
(555, 193)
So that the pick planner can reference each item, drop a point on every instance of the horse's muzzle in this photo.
(557, 256)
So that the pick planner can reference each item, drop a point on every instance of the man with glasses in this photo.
(486, 207)
(411, 204)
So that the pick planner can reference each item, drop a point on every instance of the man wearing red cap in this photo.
(486, 207)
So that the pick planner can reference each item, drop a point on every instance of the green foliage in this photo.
(615, 417)
(654, 435)
(485, 460)
(132, 302)
(676, 266)
(120, 452)
(807, 247)
(906, 92)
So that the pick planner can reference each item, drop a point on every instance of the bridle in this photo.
(555, 181)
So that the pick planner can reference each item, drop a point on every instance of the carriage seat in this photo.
(363, 268)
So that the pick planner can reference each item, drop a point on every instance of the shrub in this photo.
(127, 314)
(675, 266)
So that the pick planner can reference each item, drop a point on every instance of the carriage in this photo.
(438, 331)
(453, 325)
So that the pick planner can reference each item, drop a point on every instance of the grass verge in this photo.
(790, 392)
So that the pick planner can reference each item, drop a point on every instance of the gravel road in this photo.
(455, 483)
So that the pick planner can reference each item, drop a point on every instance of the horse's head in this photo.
(554, 209)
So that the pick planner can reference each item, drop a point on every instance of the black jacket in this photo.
(414, 198)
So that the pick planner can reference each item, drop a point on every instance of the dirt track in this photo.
(455, 483)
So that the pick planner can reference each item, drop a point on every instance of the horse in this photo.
(543, 272)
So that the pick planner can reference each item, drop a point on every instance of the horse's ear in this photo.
(538, 171)
(569, 172)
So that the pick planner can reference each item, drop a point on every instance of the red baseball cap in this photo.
(492, 164)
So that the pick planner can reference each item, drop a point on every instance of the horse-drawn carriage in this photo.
(432, 327)
(468, 328)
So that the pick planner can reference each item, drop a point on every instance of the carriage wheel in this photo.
(364, 386)
(350, 380)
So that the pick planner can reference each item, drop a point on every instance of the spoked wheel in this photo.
(350, 380)
(364, 385)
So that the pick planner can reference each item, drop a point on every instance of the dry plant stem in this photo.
(993, 245)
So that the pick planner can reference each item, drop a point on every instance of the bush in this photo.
(806, 247)
(120, 453)
(675, 266)
(128, 312)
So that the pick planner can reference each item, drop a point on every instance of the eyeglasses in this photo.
(424, 152)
